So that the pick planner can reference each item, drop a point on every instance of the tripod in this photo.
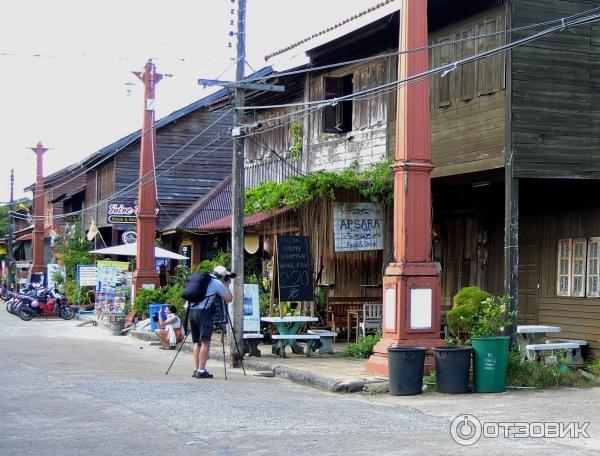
(226, 319)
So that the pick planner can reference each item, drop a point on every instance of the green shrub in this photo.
(525, 373)
(364, 347)
(594, 367)
(69, 289)
(464, 309)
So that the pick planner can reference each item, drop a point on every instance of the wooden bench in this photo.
(313, 342)
(338, 307)
(251, 341)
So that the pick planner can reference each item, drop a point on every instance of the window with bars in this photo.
(578, 267)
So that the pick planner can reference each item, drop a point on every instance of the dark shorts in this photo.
(201, 323)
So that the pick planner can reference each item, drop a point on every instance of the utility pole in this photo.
(145, 275)
(237, 195)
(11, 231)
(38, 266)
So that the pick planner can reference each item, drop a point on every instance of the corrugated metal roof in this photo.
(213, 206)
(251, 220)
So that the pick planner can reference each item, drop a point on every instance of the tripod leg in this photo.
(176, 354)
(223, 343)
(236, 342)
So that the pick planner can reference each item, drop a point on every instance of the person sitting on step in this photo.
(170, 330)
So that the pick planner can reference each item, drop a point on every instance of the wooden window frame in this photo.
(580, 293)
(568, 241)
(590, 273)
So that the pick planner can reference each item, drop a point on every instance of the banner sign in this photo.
(251, 308)
(86, 276)
(122, 212)
(357, 226)
(112, 281)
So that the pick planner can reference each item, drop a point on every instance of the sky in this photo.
(65, 66)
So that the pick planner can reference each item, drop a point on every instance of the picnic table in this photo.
(532, 340)
(287, 328)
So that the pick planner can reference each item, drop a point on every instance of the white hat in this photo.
(221, 271)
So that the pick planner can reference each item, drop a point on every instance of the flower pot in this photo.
(490, 363)
(452, 367)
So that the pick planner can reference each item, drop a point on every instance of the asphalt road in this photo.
(69, 390)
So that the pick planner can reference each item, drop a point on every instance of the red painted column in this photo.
(146, 275)
(411, 284)
(38, 265)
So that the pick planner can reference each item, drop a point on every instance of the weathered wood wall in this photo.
(200, 162)
(468, 104)
(556, 94)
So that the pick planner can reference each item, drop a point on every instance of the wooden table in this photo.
(288, 326)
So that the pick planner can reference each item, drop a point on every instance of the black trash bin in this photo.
(452, 367)
(405, 366)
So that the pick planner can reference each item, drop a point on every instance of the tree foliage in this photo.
(73, 248)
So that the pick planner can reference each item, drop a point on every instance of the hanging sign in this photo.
(129, 237)
(122, 212)
(357, 226)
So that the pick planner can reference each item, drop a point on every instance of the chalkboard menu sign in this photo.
(293, 269)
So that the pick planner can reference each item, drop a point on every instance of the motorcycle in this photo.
(49, 304)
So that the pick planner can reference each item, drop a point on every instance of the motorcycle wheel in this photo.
(26, 313)
(67, 312)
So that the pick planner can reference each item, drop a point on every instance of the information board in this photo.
(293, 269)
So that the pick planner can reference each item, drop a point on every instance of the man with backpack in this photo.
(201, 314)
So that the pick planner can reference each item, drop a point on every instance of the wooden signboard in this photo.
(294, 278)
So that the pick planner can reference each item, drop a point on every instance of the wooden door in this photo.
(529, 283)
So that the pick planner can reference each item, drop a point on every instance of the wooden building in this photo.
(193, 155)
(514, 144)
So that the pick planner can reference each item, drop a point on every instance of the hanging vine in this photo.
(374, 183)
(296, 147)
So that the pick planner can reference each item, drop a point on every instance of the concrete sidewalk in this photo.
(329, 372)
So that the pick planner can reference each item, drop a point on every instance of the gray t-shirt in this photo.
(215, 292)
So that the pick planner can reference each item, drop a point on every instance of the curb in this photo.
(297, 376)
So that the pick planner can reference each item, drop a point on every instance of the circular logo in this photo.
(129, 237)
(465, 430)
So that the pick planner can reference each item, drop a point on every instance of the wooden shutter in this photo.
(466, 73)
(563, 282)
(377, 103)
(332, 115)
(578, 267)
(593, 268)
(444, 56)
(361, 105)
(488, 69)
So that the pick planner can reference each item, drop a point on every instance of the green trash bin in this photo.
(490, 362)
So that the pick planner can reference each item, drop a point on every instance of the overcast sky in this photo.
(66, 65)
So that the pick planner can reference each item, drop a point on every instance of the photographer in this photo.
(201, 317)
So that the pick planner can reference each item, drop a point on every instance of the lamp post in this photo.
(145, 274)
(38, 266)
(411, 284)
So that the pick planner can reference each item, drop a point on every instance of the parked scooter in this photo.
(48, 304)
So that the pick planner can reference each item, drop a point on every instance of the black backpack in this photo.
(194, 289)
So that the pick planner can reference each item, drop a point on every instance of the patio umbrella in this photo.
(131, 250)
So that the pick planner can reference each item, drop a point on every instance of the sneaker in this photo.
(204, 374)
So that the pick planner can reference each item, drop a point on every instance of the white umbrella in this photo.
(131, 250)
